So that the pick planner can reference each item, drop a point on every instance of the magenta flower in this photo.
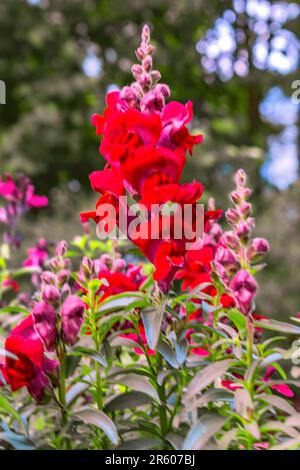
(33, 200)
(37, 255)
(72, 318)
(244, 287)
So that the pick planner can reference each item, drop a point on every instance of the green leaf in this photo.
(141, 444)
(92, 416)
(92, 353)
(128, 400)
(76, 390)
(202, 431)
(152, 320)
(168, 353)
(243, 403)
(212, 395)
(138, 383)
(278, 402)
(206, 376)
(238, 319)
(10, 409)
(14, 309)
(124, 301)
(275, 325)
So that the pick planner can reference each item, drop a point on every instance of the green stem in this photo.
(62, 387)
(99, 398)
(249, 341)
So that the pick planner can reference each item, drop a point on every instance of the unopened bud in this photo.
(44, 317)
(155, 76)
(48, 277)
(240, 178)
(50, 294)
(233, 216)
(145, 36)
(227, 259)
(61, 248)
(63, 276)
(258, 248)
(147, 63)
(231, 240)
(144, 80)
(163, 88)
(119, 265)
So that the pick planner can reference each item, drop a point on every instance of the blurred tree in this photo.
(58, 59)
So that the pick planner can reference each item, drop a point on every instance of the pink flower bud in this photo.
(140, 53)
(258, 248)
(222, 273)
(107, 261)
(163, 88)
(50, 294)
(145, 34)
(128, 94)
(87, 266)
(243, 230)
(152, 102)
(245, 209)
(72, 318)
(150, 48)
(227, 259)
(240, 178)
(63, 276)
(235, 197)
(137, 90)
(144, 80)
(233, 216)
(48, 277)
(155, 76)
(231, 240)
(44, 317)
(55, 264)
(244, 287)
(61, 248)
(147, 63)
(119, 265)
(137, 70)
(65, 291)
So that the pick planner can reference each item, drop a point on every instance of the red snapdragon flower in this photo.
(26, 365)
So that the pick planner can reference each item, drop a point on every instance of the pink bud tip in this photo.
(240, 178)
(145, 34)
(61, 248)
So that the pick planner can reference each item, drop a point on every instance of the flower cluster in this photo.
(55, 321)
(56, 297)
(237, 257)
(144, 143)
(19, 194)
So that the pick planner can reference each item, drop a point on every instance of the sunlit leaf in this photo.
(206, 376)
(94, 417)
(202, 431)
